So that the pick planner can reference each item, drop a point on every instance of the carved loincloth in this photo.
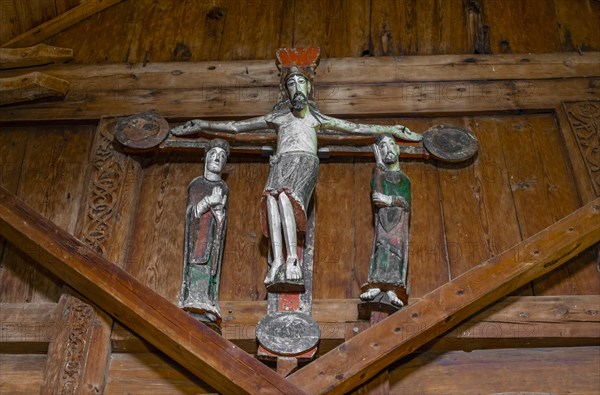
(295, 174)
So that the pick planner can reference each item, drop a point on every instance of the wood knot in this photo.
(216, 13)
(562, 310)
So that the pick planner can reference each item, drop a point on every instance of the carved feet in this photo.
(293, 271)
(205, 312)
(375, 299)
(370, 294)
(373, 292)
(285, 278)
(275, 265)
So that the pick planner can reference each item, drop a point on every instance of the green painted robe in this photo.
(389, 258)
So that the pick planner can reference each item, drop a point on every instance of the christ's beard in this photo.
(299, 101)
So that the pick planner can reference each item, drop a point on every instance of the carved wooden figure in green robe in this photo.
(387, 285)
(205, 225)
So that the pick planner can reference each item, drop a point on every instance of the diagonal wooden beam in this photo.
(196, 347)
(361, 357)
(59, 23)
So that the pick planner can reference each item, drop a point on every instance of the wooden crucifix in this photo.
(287, 212)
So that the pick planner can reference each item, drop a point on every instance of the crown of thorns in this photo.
(297, 61)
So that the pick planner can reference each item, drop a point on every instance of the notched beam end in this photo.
(32, 86)
(41, 54)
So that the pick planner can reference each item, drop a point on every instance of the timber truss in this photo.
(551, 83)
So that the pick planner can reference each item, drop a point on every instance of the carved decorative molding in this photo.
(584, 118)
(105, 186)
(80, 335)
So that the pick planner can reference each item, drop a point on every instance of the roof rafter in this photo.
(59, 23)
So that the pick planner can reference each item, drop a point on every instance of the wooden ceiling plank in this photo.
(59, 23)
(363, 356)
(213, 359)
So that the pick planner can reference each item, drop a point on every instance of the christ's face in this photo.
(298, 89)
(389, 150)
(215, 160)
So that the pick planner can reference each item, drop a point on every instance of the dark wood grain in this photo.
(479, 217)
(334, 229)
(517, 27)
(437, 373)
(55, 190)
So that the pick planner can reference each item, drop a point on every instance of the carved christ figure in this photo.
(391, 198)
(205, 226)
(294, 166)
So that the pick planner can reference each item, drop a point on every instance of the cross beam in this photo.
(210, 357)
(361, 357)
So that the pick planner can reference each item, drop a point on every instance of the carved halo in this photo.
(142, 131)
(450, 143)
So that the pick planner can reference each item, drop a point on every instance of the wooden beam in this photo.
(543, 321)
(31, 86)
(59, 23)
(333, 71)
(392, 100)
(40, 54)
(196, 347)
(363, 356)
(350, 87)
(27, 327)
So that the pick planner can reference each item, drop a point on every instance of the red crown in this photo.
(297, 61)
(300, 57)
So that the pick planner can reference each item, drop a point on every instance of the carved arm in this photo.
(233, 127)
(382, 200)
(398, 131)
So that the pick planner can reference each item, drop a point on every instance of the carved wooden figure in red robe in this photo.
(206, 220)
